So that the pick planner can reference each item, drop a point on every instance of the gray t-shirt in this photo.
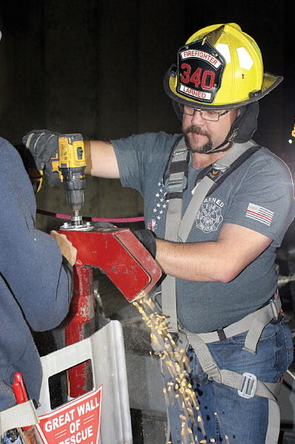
(258, 195)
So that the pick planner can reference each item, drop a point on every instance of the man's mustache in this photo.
(195, 129)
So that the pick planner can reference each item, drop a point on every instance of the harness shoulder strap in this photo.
(175, 182)
(213, 179)
(175, 176)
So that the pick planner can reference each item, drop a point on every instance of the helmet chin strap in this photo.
(229, 141)
(232, 134)
(217, 150)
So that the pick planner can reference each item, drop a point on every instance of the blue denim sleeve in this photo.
(30, 260)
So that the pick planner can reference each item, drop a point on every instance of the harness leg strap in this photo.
(238, 382)
(261, 319)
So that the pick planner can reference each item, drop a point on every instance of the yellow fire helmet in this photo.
(219, 67)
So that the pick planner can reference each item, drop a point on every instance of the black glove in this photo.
(148, 240)
(43, 145)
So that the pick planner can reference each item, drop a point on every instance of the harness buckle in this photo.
(249, 386)
(175, 185)
(274, 309)
(213, 372)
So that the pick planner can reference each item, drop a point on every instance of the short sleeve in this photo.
(264, 198)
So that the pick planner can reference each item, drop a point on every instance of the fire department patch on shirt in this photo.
(210, 215)
(259, 213)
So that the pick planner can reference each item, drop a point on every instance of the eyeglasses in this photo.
(212, 116)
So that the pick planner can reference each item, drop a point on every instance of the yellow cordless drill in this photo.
(70, 164)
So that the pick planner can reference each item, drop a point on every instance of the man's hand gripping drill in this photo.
(62, 158)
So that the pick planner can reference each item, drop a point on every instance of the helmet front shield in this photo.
(199, 68)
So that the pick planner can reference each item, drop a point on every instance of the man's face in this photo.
(201, 135)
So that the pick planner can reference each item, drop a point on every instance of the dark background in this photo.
(96, 66)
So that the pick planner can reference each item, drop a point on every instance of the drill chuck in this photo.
(74, 185)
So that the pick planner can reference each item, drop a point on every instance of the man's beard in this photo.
(206, 148)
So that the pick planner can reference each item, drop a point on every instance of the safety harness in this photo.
(177, 229)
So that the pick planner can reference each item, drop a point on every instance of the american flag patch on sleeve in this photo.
(259, 213)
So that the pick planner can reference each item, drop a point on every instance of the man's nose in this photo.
(197, 118)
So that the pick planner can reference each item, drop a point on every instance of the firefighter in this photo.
(217, 206)
(35, 281)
